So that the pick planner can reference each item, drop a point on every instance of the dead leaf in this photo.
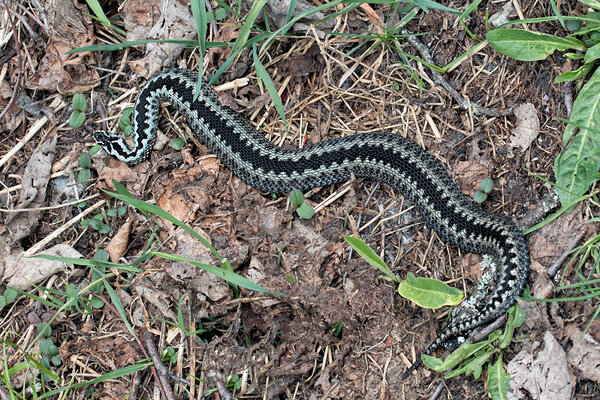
(584, 354)
(157, 19)
(528, 126)
(132, 178)
(71, 27)
(549, 242)
(469, 174)
(206, 283)
(21, 272)
(544, 374)
(118, 244)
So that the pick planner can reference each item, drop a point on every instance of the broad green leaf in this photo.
(579, 73)
(10, 294)
(516, 317)
(592, 54)
(479, 197)
(473, 366)
(371, 257)
(486, 185)
(305, 211)
(456, 357)
(177, 143)
(296, 198)
(85, 161)
(76, 119)
(530, 46)
(576, 168)
(498, 380)
(79, 102)
(429, 293)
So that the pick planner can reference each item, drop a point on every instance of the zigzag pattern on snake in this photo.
(385, 157)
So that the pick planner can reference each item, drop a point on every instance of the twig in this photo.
(548, 203)
(163, 372)
(19, 72)
(213, 24)
(553, 269)
(15, 210)
(223, 392)
(42, 243)
(439, 79)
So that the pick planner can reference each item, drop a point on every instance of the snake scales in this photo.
(385, 157)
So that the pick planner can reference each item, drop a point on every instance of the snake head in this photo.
(105, 140)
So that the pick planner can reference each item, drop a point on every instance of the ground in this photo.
(336, 330)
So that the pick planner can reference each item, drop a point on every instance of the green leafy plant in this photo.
(304, 210)
(181, 322)
(125, 121)
(96, 223)
(85, 163)
(576, 168)
(472, 358)
(485, 187)
(429, 293)
(6, 298)
(234, 382)
(77, 117)
(169, 355)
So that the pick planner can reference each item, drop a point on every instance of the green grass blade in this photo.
(249, 24)
(201, 20)
(103, 378)
(266, 80)
(151, 208)
(123, 45)
(229, 276)
(96, 8)
(371, 257)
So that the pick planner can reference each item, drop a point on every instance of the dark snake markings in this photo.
(385, 157)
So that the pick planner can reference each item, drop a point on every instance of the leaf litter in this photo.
(290, 340)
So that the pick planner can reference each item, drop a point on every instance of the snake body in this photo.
(385, 157)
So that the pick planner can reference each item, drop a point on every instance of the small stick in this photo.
(163, 372)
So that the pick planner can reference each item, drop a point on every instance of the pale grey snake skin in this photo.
(385, 157)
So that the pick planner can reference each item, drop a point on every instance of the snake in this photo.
(381, 156)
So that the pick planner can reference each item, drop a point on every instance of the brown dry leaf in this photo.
(118, 244)
(548, 243)
(585, 353)
(157, 19)
(528, 126)
(544, 374)
(70, 28)
(21, 272)
(301, 64)
(472, 263)
(469, 174)
(132, 178)
(174, 203)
